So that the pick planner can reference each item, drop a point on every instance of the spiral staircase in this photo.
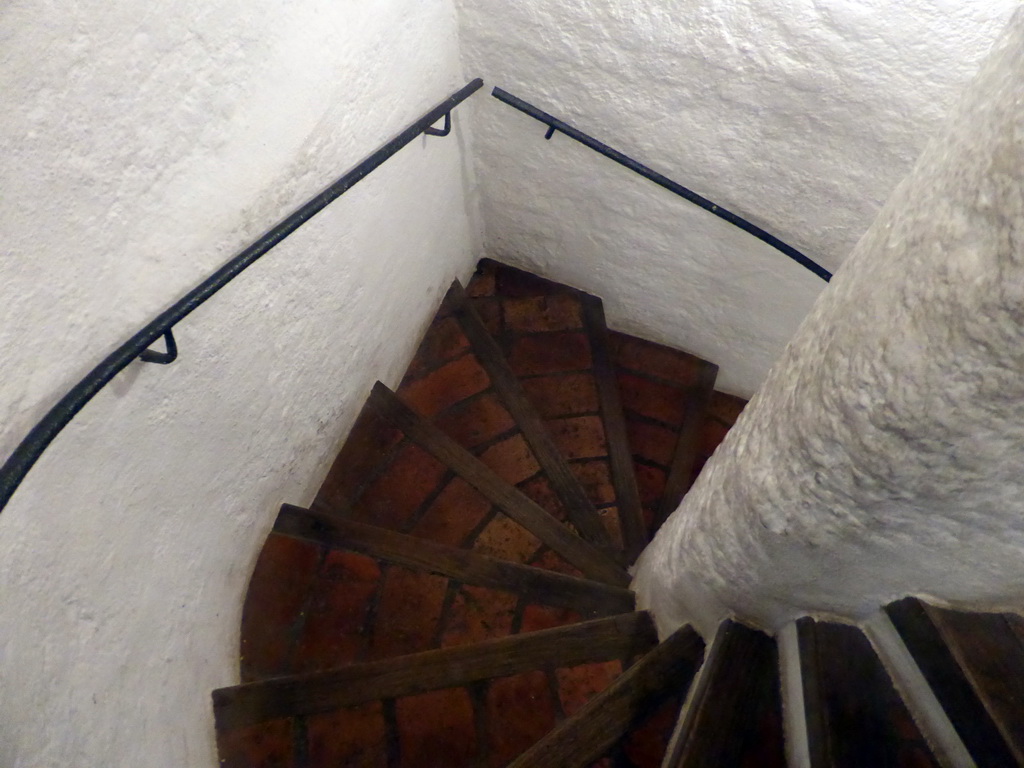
(457, 594)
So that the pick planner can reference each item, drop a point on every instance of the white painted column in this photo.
(884, 456)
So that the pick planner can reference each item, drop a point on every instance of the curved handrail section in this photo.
(42, 434)
(554, 124)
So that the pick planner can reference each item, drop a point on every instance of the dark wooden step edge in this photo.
(620, 455)
(738, 679)
(814, 713)
(570, 490)
(594, 563)
(990, 653)
(681, 471)
(618, 637)
(948, 682)
(535, 585)
(590, 732)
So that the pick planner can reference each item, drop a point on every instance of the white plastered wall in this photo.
(143, 145)
(882, 456)
(801, 115)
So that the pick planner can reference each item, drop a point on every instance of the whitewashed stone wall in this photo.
(883, 455)
(143, 144)
(801, 115)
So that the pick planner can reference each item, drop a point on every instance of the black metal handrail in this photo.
(554, 124)
(42, 434)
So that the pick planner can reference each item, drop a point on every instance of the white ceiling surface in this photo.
(798, 115)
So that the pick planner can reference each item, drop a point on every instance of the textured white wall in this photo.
(801, 115)
(883, 455)
(142, 145)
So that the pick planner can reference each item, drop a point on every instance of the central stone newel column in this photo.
(884, 455)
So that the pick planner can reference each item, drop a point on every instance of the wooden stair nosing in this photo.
(584, 737)
(814, 704)
(535, 585)
(685, 455)
(617, 637)
(855, 713)
(579, 508)
(713, 721)
(593, 562)
(949, 683)
(991, 655)
(620, 455)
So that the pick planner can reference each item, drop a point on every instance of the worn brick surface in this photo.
(445, 386)
(483, 281)
(651, 482)
(566, 394)
(534, 314)
(334, 631)
(266, 745)
(436, 729)
(478, 614)
(511, 459)
(393, 498)
(653, 400)
(408, 613)
(520, 710)
(505, 539)
(355, 737)
(538, 617)
(548, 559)
(278, 589)
(610, 519)
(578, 685)
(453, 514)
(539, 489)
(490, 313)
(579, 437)
(477, 420)
(443, 342)
(652, 442)
(654, 360)
(550, 353)
(595, 475)
(367, 446)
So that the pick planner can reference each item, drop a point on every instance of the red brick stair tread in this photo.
(578, 506)
(617, 637)
(534, 585)
(592, 562)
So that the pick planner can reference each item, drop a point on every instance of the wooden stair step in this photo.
(592, 731)
(592, 562)
(534, 585)
(854, 715)
(580, 509)
(674, 418)
(733, 713)
(382, 479)
(556, 342)
(914, 621)
(617, 637)
(989, 650)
